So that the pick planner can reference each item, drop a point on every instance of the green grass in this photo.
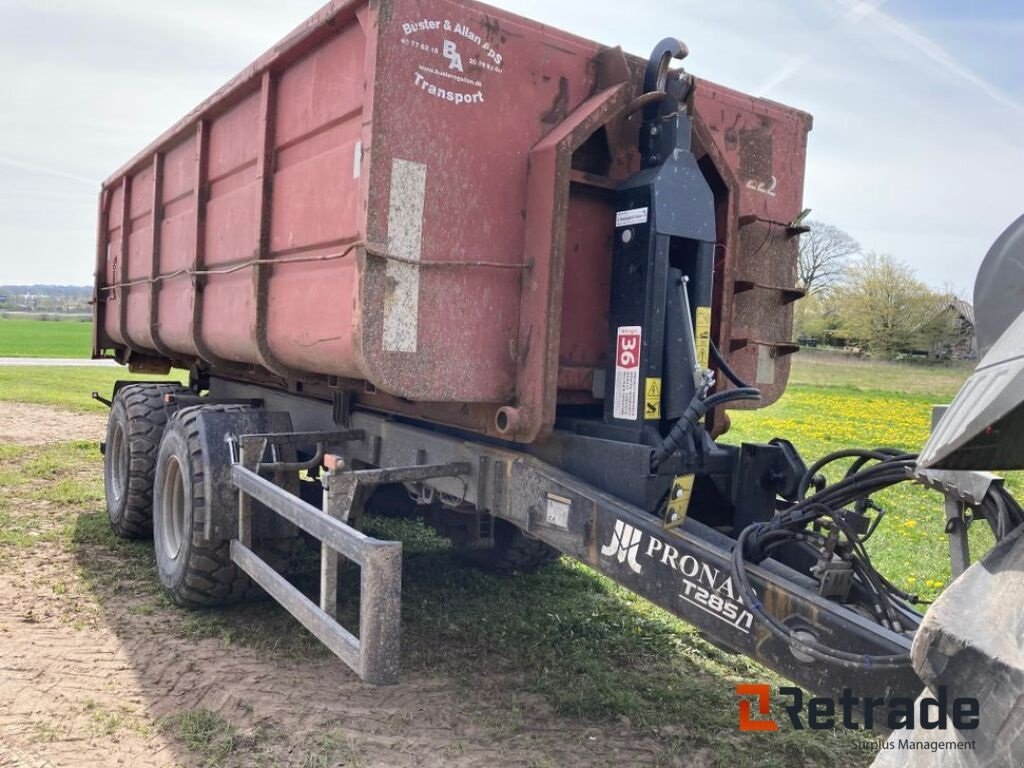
(213, 741)
(828, 369)
(331, 748)
(842, 403)
(22, 337)
(67, 387)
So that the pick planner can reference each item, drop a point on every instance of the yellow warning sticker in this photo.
(679, 501)
(652, 399)
(702, 333)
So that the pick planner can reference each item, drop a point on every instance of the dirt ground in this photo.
(25, 424)
(93, 680)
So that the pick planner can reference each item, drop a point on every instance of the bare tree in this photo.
(825, 252)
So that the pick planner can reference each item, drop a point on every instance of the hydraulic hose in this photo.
(727, 369)
(693, 414)
(758, 541)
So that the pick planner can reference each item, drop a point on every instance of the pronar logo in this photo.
(625, 545)
(702, 585)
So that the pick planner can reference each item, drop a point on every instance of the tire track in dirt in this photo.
(58, 682)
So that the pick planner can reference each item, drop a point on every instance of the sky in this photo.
(917, 148)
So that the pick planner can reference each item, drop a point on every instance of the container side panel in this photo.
(113, 295)
(177, 247)
(229, 311)
(764, 144)
(140, 258)
(465, 92)
(234, 138)
(316, 195)
(588, 262)
(322, 295)
(179, 172)
(231, 224)
(232, 233)
(759, 149)
(323, 88)
(315, 206)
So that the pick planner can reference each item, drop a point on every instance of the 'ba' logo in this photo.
(451, 52)
(624, 545)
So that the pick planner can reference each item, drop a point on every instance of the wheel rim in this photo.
(119, 463)
(172, 508)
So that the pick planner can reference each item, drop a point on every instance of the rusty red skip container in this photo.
(411, 200)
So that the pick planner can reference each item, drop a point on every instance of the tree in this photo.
(824, 254)
(887, 308)
(818, 317)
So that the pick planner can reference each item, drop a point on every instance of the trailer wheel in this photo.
(134, 430)
(513, 552)
(194, 571)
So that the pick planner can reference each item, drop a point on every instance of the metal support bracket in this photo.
(345, 492)
(956, 529)
(963, 491)
(374, 654)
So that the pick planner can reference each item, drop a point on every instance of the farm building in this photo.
(961, 342)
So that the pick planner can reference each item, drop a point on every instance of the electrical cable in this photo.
(725, 368)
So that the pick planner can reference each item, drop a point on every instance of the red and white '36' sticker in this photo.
(627, 373)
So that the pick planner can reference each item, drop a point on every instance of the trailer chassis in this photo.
(684, 568)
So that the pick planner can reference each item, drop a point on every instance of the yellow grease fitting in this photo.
(678, 501)
(702, 333)
(652, 399)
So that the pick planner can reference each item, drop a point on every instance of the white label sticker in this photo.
(557, 513)
(627, 373)
(629, 218)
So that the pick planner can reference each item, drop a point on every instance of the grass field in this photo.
(593, 650)
(68, 387)
(834, 403)
(20, 337)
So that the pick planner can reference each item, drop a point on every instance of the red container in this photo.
(410, 199)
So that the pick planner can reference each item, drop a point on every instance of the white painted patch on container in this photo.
(765, 365)
(405, 233)
(357, 160)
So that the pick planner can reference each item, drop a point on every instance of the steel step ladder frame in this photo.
(374, 654)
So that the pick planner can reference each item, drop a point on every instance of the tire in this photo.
(513, 552)
(194, 572)
(135, 427)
